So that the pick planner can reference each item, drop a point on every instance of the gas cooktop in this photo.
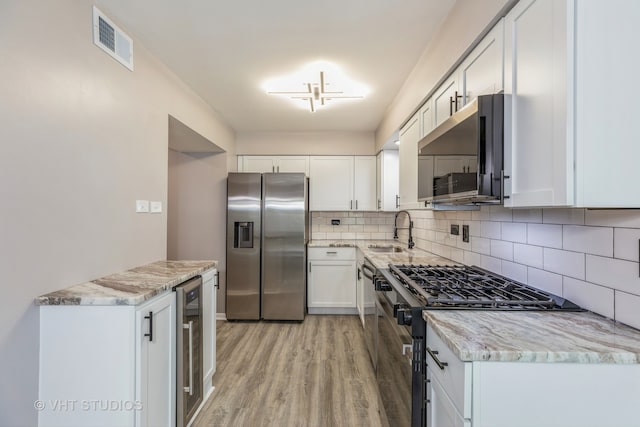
(464, 287)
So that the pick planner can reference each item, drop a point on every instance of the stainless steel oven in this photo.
(189, 350)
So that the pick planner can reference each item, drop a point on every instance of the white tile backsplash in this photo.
(564, 262)
(481, 245)
(625, 243)
(491, 264)
(514, 271)
(490, 229)
(546, 235)
(528, 254)
(627, 309)
(514, 232)
(591, 240)
(527, 215)
(614, 273)
(501, 249)
(353, 225)
(563, 216)
(545, 280)
(587, 295)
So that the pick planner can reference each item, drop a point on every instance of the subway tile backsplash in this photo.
(588, 256)
(353, 225)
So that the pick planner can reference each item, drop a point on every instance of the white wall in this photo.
(302, 143)
(588, 256)
(81, 137)
(196, 210)
(463, 25)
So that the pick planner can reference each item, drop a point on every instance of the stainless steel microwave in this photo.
(461, 160)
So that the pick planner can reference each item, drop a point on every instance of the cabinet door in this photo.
(388, 180)
(446, 100)
(155, 362)
(408, 163)
(209, 288)
(538, 156)
(293, 164)
(426, 118)
(259, 164)
(332, 284)
(440, 410)
(364, 190)
(481, 73)
(331, 183)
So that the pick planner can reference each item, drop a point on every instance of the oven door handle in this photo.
(433, 354)
(366, 267)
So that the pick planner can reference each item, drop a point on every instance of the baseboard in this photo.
(332, 310)
(221, 316)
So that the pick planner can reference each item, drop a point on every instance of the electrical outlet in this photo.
(335, 222)
(455, 229)
(465, 233)
(142, 206)
(156, 207)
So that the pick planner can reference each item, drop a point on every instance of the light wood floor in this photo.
(314, 373)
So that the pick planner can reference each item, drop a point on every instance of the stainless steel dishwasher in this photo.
(189, 350)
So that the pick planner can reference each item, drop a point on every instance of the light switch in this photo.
(156, 207)
(142, 206)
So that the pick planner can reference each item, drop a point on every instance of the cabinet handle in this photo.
(189, 326)
(356, 205)
(379, 207)
(150, 334)
(359, 275)
(433, 354)
(397, 201)
(332, 253)
(351, 204)
(278, 169)
(309, 267)
(217, 285)
(502, 178)
(273, 169)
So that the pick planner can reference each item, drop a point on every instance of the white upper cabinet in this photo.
(364, 189)
(274, 164)
(447, 99)
(482, 72)
(408, 163)
(342, 183)
(538, 154)
(570, 141)
(387, 180)
(426, 118)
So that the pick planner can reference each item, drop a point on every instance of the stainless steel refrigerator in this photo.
(267, 234)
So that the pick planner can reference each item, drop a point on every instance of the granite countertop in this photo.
(130, 287)
(383, 259)
(526, 336)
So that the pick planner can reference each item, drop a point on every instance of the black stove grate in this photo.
(458, 286)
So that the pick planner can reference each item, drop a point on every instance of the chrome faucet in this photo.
(395, 228)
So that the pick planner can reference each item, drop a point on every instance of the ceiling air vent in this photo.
(108, 37)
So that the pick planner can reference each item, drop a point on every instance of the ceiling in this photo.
(225, 51)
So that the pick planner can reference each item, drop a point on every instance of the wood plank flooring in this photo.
(316, 373)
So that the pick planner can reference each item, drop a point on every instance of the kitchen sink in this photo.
(380, 248)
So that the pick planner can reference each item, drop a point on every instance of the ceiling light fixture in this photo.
(316, 91)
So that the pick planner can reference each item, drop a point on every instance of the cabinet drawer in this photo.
(455, 376)
(331, 253)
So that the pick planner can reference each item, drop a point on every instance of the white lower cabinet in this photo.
(331, 281)
(521, 394)
(209, 297)
(108, 365)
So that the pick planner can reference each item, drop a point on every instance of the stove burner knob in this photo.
(404, 317)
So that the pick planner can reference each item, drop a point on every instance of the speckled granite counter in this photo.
(382, 259)
(567, 337)
(130, 287)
